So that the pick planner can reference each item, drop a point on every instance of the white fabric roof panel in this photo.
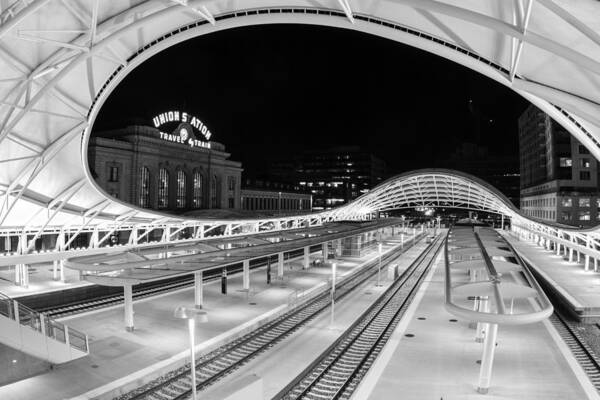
(50, 80)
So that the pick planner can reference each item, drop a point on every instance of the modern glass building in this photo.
(333, 176)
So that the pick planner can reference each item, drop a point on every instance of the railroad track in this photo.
(339, 370)
(212, 367)
(582, 352)
(140, 293)
(584, 355)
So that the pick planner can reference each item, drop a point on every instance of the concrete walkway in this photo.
(441, 360)
(579, 288)
(158, 336)
(290, 357)
(40, 281)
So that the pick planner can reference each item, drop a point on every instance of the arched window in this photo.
(163, 188)
(144, 199)
(198, 187)
(180, 199)
(213, 193)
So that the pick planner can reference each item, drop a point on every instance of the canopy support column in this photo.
(306, 259)
(198, 289)
(246, 275)
(128, 305)
(280, 265)
(487, 361)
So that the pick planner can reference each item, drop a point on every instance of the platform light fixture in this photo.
(192, 315)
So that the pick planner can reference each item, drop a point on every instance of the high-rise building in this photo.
(333, 176)
(559, 176)
(502, 172)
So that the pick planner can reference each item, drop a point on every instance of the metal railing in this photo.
(39, 322)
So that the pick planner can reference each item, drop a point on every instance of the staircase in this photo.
(37, 335)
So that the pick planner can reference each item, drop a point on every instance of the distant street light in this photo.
(192, 315)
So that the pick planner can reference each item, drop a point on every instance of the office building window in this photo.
(180, 200)
(198, 187)
(584, 163)
(584, 215)
(566, 202)
(565, 216)
(584, 202)
(565, 162)
(231, 183)
(144, 200)
(163, 188)
(114, 174)
(585, 175)
(583, 149)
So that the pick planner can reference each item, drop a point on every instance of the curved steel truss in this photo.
(60, 59)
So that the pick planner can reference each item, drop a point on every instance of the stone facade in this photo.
(136, 165)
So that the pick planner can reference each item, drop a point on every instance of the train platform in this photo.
(40, 281)
(569, 282)
(159, 339)
(289, 358)
(431, 355)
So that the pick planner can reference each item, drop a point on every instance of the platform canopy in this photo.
(60, 59)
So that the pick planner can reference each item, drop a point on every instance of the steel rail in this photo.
(579, 348)
(356, 332)
(152, 288)
(220, 362)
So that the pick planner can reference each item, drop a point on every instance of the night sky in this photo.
(278, 89)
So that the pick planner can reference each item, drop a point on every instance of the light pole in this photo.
(192, 315)
(333, 267)
(379, 266)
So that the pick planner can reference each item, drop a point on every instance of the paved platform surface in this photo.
(40, 281)
(116, 353)
(290, 357)
(440, 360)
(579, 288)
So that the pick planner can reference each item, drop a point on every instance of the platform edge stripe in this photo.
(94, 393)
(369, 381)
(563, 292)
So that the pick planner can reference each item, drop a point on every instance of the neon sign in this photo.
(184, 133)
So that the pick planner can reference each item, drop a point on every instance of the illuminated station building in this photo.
(274, 197)
(171, 165)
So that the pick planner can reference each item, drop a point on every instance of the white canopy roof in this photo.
(59, 60)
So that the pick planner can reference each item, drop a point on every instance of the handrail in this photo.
(497, 318)
(40, 322)
(496, 279)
